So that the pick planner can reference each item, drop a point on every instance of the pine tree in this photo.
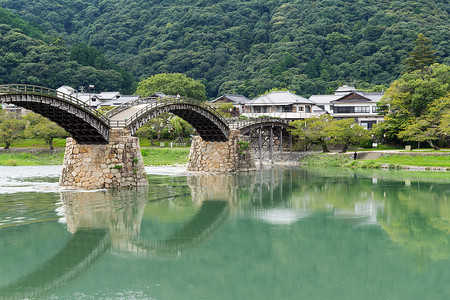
(421, 56)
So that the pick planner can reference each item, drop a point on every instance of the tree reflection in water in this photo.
(121, 221)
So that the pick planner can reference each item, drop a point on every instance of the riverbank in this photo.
(31, 157)
(414, 161)
(387, 159)
(44, 156)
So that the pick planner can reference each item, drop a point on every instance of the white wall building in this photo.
(282, 104)
(347, 102)
(98, 99)
(238, 102)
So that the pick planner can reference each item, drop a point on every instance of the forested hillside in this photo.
(250, 46)
(29, 56)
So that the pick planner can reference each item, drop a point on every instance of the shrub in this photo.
(11, 162)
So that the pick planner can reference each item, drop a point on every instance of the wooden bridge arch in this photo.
(88, 126)
(85, 124)
(208, 123)
(266, 134)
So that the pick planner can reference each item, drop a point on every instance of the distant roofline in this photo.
(296, 99)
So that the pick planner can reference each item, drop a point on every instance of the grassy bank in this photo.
(31, 159)
(165, 156)
(36, 143)
(151, 156)
(392, 161)
(423, 161)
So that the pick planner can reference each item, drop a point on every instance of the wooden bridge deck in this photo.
(119, 120)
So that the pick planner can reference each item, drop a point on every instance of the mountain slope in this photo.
(27, 57)
(248, 47)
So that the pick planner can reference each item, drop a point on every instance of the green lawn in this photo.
(425, 161)
(31, 159)
(36, 143)
(151, 156)
(382, 147)
(165, 156)
(145, 142)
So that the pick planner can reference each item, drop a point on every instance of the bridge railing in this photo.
(124, 106)
(173, 100)
(26, 89)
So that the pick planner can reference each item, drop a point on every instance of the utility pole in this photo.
(91, 86)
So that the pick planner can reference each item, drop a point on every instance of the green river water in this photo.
(273, 234)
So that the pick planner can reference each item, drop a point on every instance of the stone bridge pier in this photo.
(118, 164)
(230, 156)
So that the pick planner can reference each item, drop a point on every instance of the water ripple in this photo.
(22, 179)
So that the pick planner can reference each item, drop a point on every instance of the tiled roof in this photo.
(120, 101)
(279, 98)
(158, 94)
(239, 99)
(359, 97)
(345, 89)
(108, 95)
(324, 99)
(327, 99)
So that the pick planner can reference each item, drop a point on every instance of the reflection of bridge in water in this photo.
(112, 221)
(100, 223)
(83, 249)
(112, 225)
(117, 225)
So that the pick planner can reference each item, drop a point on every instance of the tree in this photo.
(172, 84)
(180, 128)
(315, 130)
(225, 109)
(431, 126)
(444, 126)
(347, 132)
(421, 56)
(11, 128)
(411, 97)
(155, 127)
(42, 128)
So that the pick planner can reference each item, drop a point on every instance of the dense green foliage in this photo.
(422, 55)
(14, 21)
(250, 46)
(13, 128)
(172, 84)
(26, 57)
(44, 129)
(419, 106)
(324, 130)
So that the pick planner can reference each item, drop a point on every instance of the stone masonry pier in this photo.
(118, 164)
(236, 154)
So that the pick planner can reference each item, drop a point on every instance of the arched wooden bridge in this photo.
(88, 126)
(85, 124)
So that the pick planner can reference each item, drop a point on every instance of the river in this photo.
(287, 233)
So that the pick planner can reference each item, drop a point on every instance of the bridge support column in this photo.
(117, 164)
(222, 157)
